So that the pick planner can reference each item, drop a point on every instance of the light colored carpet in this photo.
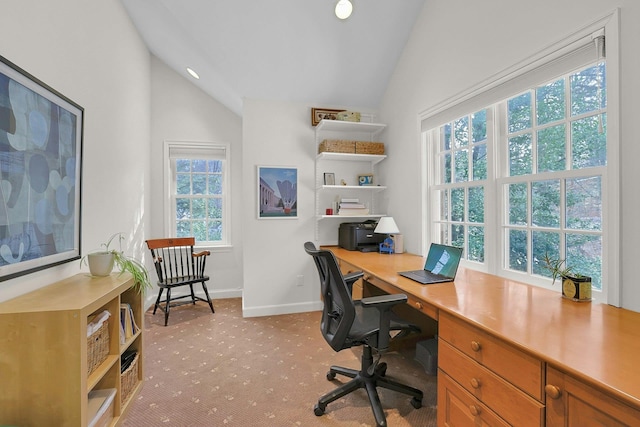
(221, 369)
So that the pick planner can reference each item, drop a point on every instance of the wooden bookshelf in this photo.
(43, 350)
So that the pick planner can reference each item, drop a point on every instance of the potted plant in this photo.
(574, 285)
(101, 263)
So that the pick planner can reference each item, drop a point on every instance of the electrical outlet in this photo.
(300, 280)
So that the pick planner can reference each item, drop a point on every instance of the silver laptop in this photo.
(441, 265)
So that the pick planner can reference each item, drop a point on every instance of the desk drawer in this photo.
(524, 371)
(412, 301)
(516, 407)
(457, 407)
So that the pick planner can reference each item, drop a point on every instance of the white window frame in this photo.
(195, 150)
(538, 69)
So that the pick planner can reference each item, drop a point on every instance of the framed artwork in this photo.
(277, 192)
(318, 114)
(329, 178)
(40, 174)
(365, 179)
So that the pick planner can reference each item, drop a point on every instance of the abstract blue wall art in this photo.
(277, 192)
(40, 171)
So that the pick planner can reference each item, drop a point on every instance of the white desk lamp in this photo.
(386, 225)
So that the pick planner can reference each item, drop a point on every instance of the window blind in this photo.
(562, 58)
(196, 150)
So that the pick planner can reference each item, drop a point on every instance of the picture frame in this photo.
(277, 188)
(365, 179)
(318, 114)
(41, 134)
(329, 178)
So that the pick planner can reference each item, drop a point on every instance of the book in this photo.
(127, 321)
(352, 206)
(353, 212)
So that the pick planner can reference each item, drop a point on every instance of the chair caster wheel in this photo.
(318, 410)
(416, 403)
(382, 369)
(331, 375)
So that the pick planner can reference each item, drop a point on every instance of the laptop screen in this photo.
(443, 260)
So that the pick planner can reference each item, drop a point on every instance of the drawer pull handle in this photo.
(475, 383)
(475, 410)
(552, 391)
(419, 305)
(475, 346)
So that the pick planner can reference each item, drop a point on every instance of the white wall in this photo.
(278, 134)
(182, 112)
(91, 53)
(456, 44)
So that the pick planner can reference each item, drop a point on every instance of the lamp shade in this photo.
(386, 225)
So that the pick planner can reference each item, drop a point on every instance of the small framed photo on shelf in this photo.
(365, 179)
(329, 178)
(318, 114)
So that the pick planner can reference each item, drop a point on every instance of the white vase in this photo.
(100, 263)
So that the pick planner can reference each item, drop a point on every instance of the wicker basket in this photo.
(129, 379)
(363, 147)
(97, 347)
(337, 146)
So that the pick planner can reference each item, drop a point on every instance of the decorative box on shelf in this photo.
(364, 147)
(337, 146)
(348, 116)
(348, 146)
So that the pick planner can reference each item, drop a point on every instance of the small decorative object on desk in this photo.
(575, 286)
(365, 179)
(386, 225)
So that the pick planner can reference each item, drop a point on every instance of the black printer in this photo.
(359, 236)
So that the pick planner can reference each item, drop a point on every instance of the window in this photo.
(198, 192)
(460, 187)
(555, 143)
(526, 167)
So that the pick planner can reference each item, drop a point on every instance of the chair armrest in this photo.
(384, 303)
(351, 278)
(199, 254)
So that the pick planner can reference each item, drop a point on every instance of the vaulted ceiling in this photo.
(287, 50)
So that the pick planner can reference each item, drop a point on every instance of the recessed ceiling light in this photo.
(193, 73)
(344, 9)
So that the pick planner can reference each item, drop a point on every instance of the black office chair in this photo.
(347, 323)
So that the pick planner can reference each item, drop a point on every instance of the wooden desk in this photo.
(571, 363)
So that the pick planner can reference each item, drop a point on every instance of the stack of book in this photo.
(128, 327)
(352, 207)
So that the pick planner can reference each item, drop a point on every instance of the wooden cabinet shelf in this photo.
(43, 337)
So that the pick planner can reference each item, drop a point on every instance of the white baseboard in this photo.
(150, 298)
(271, 310)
